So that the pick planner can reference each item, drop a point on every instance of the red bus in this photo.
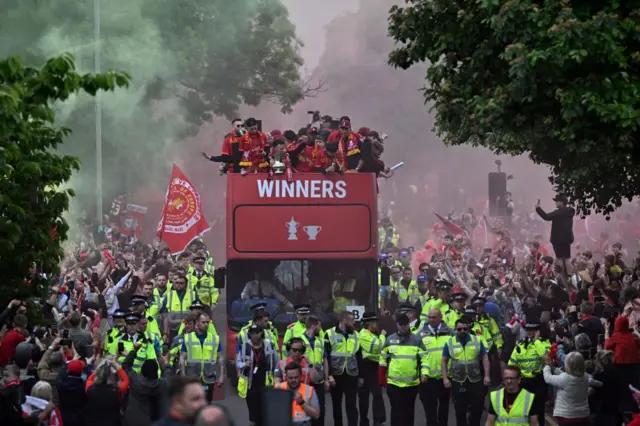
(313, 240)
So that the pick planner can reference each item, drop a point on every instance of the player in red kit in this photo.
(234, 145)
(349, 145)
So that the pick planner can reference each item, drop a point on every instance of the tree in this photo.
(188, 59)
(557, 80)
(32, 226)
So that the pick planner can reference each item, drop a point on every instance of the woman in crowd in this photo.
(571, 406)
(106, 391)
(626, 350)
(606, 401)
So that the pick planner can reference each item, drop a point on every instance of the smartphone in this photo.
(276, 407)
(65, 334)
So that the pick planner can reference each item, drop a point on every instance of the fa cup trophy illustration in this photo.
(292, 226)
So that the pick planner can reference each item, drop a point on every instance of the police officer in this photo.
(317, 356)
(371, 342)
(111, 339)
(410, 311)
(177, 305)
(457, 309)
(510, 404)
(197, 307)
(402, 370)
(489, 323)
(406, 288)
(423, 290)
(256, 363)
(188, 325)
(139, 307)
(494, 339)
(297, 329)
(129, 337)
(270, 327)
(468, 355)
(344, 358)
(433, 394)
(528, 355)
(261, 318)
(441, 302)
(202, 282)
(201, 356)
(146, 348)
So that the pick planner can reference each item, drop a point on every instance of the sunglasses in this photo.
(430, 316)
(239, 126)
(299, 350)
(462, 328)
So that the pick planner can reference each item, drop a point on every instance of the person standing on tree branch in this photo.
(561, 230)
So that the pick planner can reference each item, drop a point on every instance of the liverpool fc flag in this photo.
(182, 219)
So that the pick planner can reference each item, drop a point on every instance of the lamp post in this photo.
(98, 109)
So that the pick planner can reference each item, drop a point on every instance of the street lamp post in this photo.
(98, 109)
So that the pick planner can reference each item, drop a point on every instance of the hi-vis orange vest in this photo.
(297, 412)
(304, 377)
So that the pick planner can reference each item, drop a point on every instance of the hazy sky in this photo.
(310, 19)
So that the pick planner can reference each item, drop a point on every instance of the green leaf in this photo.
(559, 91)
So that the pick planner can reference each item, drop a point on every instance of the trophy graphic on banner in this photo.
(292, 227)
(312, 231)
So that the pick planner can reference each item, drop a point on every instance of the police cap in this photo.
(534, 324)
(138, 300)
(255, 328)
(369, 316)
(303, 309)
(443, 285)
(459, 297)
(132, 318)
(421, 278)
(119, 314)
(258, 307)
(199, 259)
(196, 305)
(478, 300)
(406, 307)
(402, 319)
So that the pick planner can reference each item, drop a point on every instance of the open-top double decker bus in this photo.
(311, 240)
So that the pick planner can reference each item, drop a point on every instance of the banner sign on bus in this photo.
(314, 215)
(315, 188)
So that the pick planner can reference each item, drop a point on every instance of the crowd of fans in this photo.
(587, 308)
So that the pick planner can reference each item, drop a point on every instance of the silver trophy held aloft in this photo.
(278, 166)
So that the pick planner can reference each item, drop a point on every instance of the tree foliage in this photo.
(557, 80)
(31, 172)
(188, 59)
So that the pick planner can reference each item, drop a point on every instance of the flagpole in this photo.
(164, 207)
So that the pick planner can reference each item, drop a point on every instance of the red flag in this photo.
(131, 220)
(451, 227)
(182, 219)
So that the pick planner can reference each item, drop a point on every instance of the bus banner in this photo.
(313, 216)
